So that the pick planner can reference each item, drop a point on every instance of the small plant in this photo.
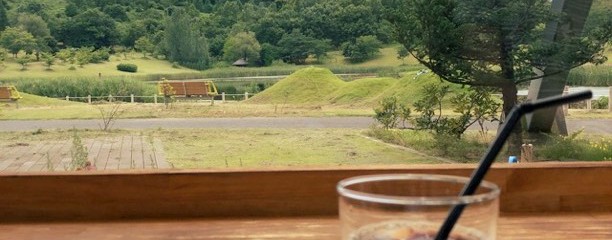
(78, 153)
(127, 67)
(387, 114)
(24, 62)
(109, 116)
(601, 103)
(49, 60)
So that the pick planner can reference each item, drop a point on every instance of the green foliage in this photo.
(601, 103)
(83, 55)
(473, 106)
(78, 153)
(364, 48)
(574, 147)
(17, 39)
(127, 67)
(242, 45)
(295, 47)
(185, 44)
(102, 54)
(49, 59)
(388, 114)
(402, 53)
(144, 45)
(89, 28)
(3, 16)
(66, 55)
(3, 54)
(591, 76)
(33, 24)
(23, 61)
(82, 87)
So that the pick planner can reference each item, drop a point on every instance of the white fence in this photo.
(244, 96)
(156, 98)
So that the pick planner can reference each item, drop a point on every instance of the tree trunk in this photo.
(515, 140)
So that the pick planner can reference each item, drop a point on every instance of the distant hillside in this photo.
(318, 86)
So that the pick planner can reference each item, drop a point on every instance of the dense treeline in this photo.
(197, 33)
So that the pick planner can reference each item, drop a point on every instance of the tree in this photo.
(90, 28)
(83, 55)
(295, 47)
(38, 28)
(23, 61)
(3, 16)
(144, 45)
(363, 48)
(66, 55)
(185, 44)
(242, 45)
(490, 43)
(49, 59)
(17, 39)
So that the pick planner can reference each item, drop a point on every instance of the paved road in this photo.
(598, 125)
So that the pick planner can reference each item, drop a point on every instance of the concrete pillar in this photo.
(110, 98)
(565, 106)
(223, 97)
(576, 12)
(89, 99)
(67, 98)
(246, 96)
(155, 98)
(589, 104)
(131, 98)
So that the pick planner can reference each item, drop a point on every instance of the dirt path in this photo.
(603, 126)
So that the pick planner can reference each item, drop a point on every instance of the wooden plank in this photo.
(137, 151)
(125, 153)
(511, 227)
(160, 156)
(43, 156)
(5, 93)
(29, 158)
(13, 153)
(534, 187)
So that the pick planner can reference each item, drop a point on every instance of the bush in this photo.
(574, 147)
(601, 103)
(127, 67)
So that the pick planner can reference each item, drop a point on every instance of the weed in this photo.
(78, 153)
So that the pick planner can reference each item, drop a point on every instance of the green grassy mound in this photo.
(318, 86)
(306, 86)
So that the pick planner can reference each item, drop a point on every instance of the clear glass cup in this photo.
(414, 206)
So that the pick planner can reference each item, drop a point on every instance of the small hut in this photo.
(240, 63)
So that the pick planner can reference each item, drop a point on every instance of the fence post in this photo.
(155, 98)
(110, 98)
(588, 102)
(89, 99)
(223, 96)
(246, 96)
(131, 98)
(610, 100)
(67, 98)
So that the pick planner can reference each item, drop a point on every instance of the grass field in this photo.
(223, 148)
(12, 70)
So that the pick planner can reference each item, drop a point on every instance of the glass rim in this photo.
(342, 188)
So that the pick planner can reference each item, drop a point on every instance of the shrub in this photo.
(127, 67)
(102, 54)
(601, 103)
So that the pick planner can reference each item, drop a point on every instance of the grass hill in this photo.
(29, 100)
(318, 86)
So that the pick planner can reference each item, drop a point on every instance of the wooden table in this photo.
(590, 226)
(537, 201)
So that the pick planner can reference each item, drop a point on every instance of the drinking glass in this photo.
(414, 206)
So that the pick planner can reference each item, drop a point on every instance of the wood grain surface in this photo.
(592, 226)
(153, 194)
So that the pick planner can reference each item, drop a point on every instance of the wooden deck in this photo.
(105, 153)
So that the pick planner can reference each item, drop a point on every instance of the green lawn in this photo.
(231, 148)
(12, 70)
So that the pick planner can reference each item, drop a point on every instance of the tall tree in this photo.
(35, 25)
(90, 28)
(490, 43)
(3, 17)
(242, 45)
(183, 43)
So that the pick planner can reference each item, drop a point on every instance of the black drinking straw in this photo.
(485, 163)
